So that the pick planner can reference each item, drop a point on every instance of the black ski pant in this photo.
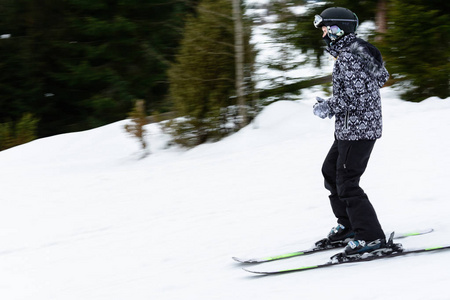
(343, 167)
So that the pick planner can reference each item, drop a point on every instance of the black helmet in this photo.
(344, 18)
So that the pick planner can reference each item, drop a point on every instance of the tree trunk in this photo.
(381, 19)
(239, 59)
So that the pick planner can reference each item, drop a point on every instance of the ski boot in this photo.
(339, 236)
(360, 249)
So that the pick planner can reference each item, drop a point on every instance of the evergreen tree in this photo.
(21, 132)
(6, 136)
(203, 77)
(78, 64)
(25, 129)
(19, 84)
(284, 34)
(136, 127)
(417, 46)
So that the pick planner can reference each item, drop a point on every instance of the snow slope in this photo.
(82, 218)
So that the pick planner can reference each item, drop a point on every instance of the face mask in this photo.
(327, 40)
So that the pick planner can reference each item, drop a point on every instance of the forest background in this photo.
(70, 65)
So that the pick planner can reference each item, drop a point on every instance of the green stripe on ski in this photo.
(302, 268)
(434, 248)
(414, 233)
(283, 256)
(283, 271)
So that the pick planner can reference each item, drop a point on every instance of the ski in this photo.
(315, 250)
(335, 263)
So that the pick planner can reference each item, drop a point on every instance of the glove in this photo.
(321, 109)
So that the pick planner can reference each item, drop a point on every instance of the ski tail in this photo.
(403, 235)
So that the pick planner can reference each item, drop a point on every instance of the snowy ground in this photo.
(83, 218)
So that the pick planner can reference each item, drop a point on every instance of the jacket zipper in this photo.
(346, 119)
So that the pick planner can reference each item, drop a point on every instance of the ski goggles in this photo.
(318, 20)
(335, 31)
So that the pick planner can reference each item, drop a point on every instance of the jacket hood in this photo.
(366, 53)
(369, 55)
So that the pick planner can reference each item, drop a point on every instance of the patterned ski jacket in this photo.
(358, 75)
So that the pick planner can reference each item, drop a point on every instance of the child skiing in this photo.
(358, 75)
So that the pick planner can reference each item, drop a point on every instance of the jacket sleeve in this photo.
(348, 83)
(382, 77)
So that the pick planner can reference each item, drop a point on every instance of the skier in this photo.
(358, 74)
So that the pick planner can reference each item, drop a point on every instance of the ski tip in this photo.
(428, 230)
(256, 272)
(246, 261)
(241, 260)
